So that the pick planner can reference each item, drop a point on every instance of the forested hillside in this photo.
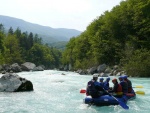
(59, 45)
(120, 36)
(49, 35)
(19, 47)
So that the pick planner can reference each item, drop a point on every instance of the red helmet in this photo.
(114, 80)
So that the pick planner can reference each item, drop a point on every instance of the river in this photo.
(59, 92)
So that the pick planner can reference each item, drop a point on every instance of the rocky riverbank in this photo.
(27, 66)
(102, 70)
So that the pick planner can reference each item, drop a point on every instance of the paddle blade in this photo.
(123, 105)
(82, 91)
(140, 92)
(138, 87)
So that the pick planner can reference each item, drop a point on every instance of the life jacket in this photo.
(91, 88)
(124, 85)
(102, 84)
(129, 86)
(129, 83)
(119, 90)
(106, 85)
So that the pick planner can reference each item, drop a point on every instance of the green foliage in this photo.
(1, 58)
(113, 37)
(138, 64)
(1, 28)
(12, 50)
(10, 31)
(1, 38)
(67, 55)
(40, 54)
(18, 47)
(59, 45)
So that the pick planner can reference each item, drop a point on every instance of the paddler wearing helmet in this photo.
(101, 82)
(117, 88)
(124, 84)
(106, 84)
(129, 83)
(93, 88)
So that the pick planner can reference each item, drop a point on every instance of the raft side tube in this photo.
(106, 100)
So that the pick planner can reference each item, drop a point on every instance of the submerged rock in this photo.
(11, 82)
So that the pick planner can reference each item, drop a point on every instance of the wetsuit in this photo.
(94, 89)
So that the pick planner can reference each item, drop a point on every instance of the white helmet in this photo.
(95, 76)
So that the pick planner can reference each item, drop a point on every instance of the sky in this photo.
(71, 14)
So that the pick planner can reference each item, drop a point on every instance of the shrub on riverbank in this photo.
(138, 64)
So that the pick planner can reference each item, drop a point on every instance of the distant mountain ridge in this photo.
(48, 34)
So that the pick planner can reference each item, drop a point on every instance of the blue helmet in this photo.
(125, 76)
(101, 79)
(108, 78)
(121, 77)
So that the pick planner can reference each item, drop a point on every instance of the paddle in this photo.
(82, 91)
(122, 104)
(140, 92)
(138, 87)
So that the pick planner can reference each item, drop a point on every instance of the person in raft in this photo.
(94, 89)
(101, 82)
(124, 85)
(117, 89)
(106, 84)
(129, 83)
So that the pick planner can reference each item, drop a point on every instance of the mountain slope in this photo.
(48, 34)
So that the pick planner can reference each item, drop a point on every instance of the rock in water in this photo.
(11, 82)
(27, 66)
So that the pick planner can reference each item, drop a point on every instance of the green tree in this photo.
(18, 33)
(10, 31)
(138, 64)
(37, 39)
(1, 44)
(12, 51)
(30, 40)
(1, 37)
(112, 37)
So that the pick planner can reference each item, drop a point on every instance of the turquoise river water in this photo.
(59, 92)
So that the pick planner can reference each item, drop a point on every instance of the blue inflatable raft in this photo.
(106, 100)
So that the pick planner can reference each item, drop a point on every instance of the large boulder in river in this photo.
(27, 66)
(16, 68)
(11, 82)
